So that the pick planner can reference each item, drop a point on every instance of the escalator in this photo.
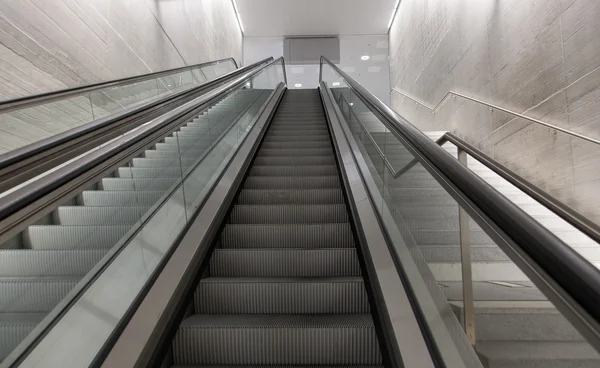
(41, 264)
(257, 226)
(284, 284)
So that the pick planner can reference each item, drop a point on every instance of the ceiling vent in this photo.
(308, 50)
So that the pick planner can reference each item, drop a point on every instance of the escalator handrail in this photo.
(575, 281)
(15, 156)
(33, 191)
(42, 98)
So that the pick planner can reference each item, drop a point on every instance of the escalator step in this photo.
(175, 152)
(82, 215)
(331, 339)
(294, 152)
(295, 145)
(293, 138)
(48, 263)
(288, 214)
(14, 327)
(153, 184)
(33, 295)
(292, 182)
(302, 160)
(284, 263)
(120, 198)
(72, 237)
(162, 162)
(291, 170)
(281, 295)
(291, 196)
(238, 236)
(149, 172)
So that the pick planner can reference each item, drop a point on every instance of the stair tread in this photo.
(282, 321)
(281, 280)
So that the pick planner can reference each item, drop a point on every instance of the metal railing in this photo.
(566, 278)
(500, 108)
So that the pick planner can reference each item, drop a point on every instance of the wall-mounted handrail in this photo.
(42, 98)
(496, 107)
(565, 277)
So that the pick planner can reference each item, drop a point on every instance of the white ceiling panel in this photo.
(314, 17)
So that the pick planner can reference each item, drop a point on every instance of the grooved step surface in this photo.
(281, 295)
(287, 236)
(291, 196)
(277, 339)
(283, 262)
(292, 182)
(71, 237)
(48, 263)
(288, 214)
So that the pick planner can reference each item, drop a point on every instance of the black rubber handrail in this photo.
(25, 152)
(567, 213)
(28, 194)
(578, 278)
(22, 102)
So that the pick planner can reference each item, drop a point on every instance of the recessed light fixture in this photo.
(237, 15)
(248, 84)
(335, 84)
(297, 85)
(393, 14)
(351, 104)
(364, 57)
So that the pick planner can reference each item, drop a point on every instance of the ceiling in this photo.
(314, 17)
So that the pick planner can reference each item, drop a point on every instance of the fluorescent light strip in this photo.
(237, 16)
(393, 14)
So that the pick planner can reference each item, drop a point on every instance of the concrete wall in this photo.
(50, 45)
(373, 73)
(540, 58)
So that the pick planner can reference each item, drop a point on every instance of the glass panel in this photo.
(31, 124)
(139, 210)
(474, 298)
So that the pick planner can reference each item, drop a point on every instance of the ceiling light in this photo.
(393, 14)
(248, 84)
(365, 57)
(237, 15)
(335, 84)
(351, 104)
(297, 85)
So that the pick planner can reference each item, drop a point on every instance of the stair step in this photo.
(290, 145)
(291, 196)
(292, 182)
(288, 214)
(281, 295)
(14, 327)
(135, 184)
(237, 236)
(175, 152)
(82, 215)
(149, 172)
(294, 152)
(48, 263)
(33, 295)
(162, 162)
(73, 237)
(305, 138)
(119, 198)
(302, 160)
(300, 339)
(284, 262)
(293, 170)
